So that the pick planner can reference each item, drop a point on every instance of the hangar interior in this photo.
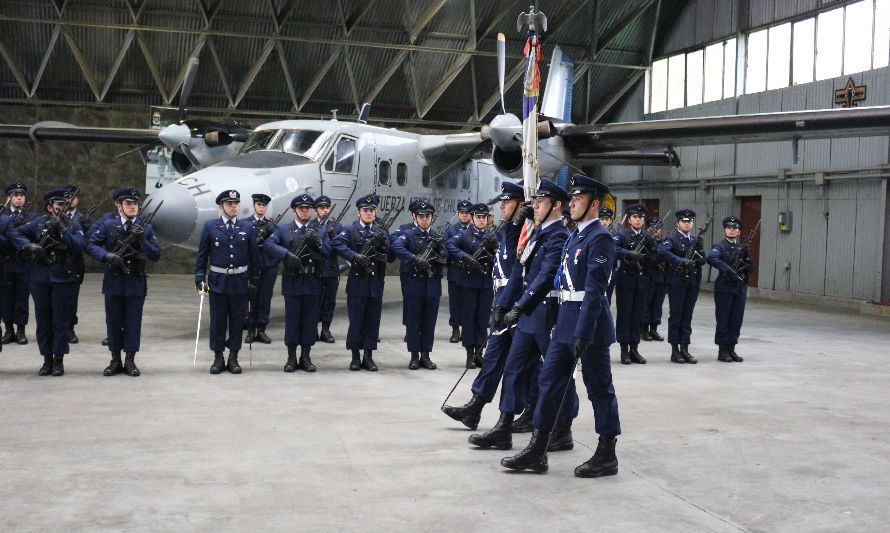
(430, 65)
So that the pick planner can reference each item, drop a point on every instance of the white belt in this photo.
(571, 296)
(229, 271)
(553, 294)
(500, 282)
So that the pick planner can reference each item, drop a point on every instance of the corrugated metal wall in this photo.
(838, 246)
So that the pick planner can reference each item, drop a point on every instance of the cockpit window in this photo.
(258, 140)
(297, 141)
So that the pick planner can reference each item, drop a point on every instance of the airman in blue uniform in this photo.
(476, 250)
(124, 244)
(227, 266)
(583, 331)
(657, 288)
(365, 244)
(258, 310)
(636, 249)
(302, 248)
(607, 217)
(330, 274)
(684, 254)
(463, 222)
(734, 262)
(51, 241)
(14, 304)
(82, 218)
(534, 315)
(422, 257)
(513, 216)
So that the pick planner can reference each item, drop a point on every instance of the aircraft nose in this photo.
(175, 221)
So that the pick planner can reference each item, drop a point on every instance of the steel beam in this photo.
(153, 68)
(54, 38)
(81, 59)
(254, 70)
(109, 79)
(219, 70)
(279, 51)
(14, 67)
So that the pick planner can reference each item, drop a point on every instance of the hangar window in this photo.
(383, 168)
(829, 44)
(881, 51)
(804, 47)
(658, 86)
(676, 81)
(402, 174)
(755, 70)
(694, 73)
(689, 79)
(857, 37)
(425, 175)
(778, 68)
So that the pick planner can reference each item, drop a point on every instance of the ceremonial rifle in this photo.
(738, 258)
(126, 245)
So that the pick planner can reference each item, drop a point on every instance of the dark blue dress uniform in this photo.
(632, 286)
(52, 242)
(583, 324)
(303, 249)
(421, 284)
(657, 290)
(14, 297)
(330, 274)
(258, 310)
(125, 283)
(453, 267)
(227, 261)
(605, 212)
(79, 264)
(474, 286)
(364, 287)
(684, 281)
(730, 291)
(486, 383)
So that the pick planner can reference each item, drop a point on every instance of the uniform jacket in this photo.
(85, 224)
(534, 276)
(586, 264)
(282, 241)
(463, 244)
(220, 248)
(633, 274)
(673, 250)
(15, 263)
(331, 265)
(721, 257)
(408, 242)
(72, 242)
(348, 243)
(453, 265)
(656, 268)
(104, 238)
(266, 261)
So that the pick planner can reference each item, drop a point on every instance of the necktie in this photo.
(230, 226)
(128, 225)
(561, 262)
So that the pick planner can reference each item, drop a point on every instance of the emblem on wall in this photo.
(849, 94)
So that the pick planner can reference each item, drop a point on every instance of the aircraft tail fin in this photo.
(557, 101)
(364, 113)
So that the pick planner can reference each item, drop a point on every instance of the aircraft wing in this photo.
(60, 131)
(764, 127)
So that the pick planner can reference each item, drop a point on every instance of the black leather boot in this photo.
(533, 457)
(105, 341)
(261, 335)
(471, 357)
(20, 337)
(368, 361)
(219, 363)
(479, 358)
(676, 356)
(499, 436)
(251, 335)
(603, 462)
(414, 363)
(735, 356)
(291, 364)
(114, 367)
(645, 335)
(9, 336)
(455, 334)
(561, 440)
(325, 335)
(58, 365)
(130, 365)
(625, 355)
(653, 333)
(467, 414)
(426, 362)
(233, 366)
(523, 424)
(305, 360)
(723, 354)
(47, 367)
(684, 351)
(356, 363)
(635, 355)
(72, 336)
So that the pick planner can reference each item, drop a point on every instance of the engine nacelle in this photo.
(508, 162)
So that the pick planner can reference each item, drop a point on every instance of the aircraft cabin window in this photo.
(402, 174)
(345, 155)
(452, 181)
(383, 172)
(425, 176)
(465, 181)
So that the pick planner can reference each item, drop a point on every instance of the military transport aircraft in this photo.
(345, 159)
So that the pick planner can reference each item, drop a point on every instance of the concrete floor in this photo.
(795, 438)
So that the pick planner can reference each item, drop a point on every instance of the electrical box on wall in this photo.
(785, 221)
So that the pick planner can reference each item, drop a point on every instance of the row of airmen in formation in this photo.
(535, 303)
